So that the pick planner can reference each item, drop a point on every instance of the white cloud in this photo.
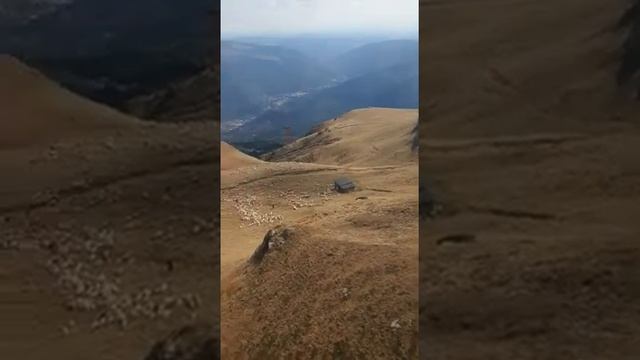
(318, 16)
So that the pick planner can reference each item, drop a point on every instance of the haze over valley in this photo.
(269, 84)
(133, 60)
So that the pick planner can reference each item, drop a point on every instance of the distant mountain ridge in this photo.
(121, 49)
(20, 12)
(374, 57)
(383, 74)
(100, 27)
(320, 48)
(252, 73)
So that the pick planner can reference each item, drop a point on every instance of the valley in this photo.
(115, 55)
(267, 88)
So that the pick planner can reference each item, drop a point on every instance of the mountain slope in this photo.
(395, 87)
(76, 177)
(34, 109)
(526, 146)
(252, 73)
(363, 137)
(514, 82)
(231, 158)
(19, 12)
(309, 273)
(194, 99)
(317, 297)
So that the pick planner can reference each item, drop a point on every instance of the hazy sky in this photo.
(295, 17)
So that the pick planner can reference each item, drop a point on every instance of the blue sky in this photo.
(298, 17)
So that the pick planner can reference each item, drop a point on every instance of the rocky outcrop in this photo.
(274, 239)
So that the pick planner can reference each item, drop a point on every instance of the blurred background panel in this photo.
(528, 135)
(109, 207)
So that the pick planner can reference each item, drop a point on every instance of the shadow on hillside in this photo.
(415, 137)
(628, 71)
